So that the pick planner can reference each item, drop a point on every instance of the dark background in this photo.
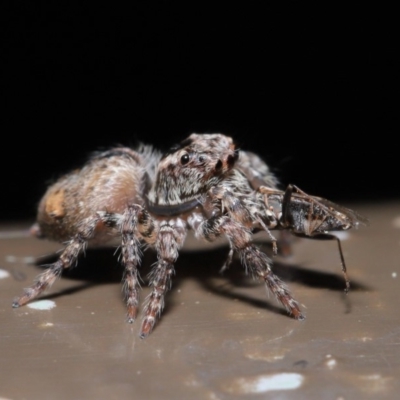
(310, 87)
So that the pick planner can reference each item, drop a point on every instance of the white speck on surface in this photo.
(196, 302)
(266, 383)
(11, 259)
(4, 274)
(42, 305)
(394, 274)
(366, 339)
(331, 363)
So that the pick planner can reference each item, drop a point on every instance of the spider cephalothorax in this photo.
(192, 168)
(205, 184)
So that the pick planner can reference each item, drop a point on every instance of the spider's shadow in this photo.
(206, 266)
(101, 266)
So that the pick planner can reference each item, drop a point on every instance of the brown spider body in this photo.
(206, 185)
(107, 182)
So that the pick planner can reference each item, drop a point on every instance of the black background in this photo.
(310, 87)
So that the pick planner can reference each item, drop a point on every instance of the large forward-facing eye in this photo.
(185, 159)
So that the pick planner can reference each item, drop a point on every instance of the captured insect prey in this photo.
(145, 198)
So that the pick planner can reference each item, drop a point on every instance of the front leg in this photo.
(253, 259)
(170, 238)
(245, 211)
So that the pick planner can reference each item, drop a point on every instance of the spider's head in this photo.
(193, 167)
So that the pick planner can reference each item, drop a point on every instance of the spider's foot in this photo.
(131, 314)
(283, 295)
(297, 314)
(27, 296)
(147, 327)
(16, 302)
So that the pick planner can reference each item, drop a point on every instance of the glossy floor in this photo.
(220, 336)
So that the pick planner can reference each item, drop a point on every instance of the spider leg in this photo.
(67, 258)
(135, 218)
(170, 238)
(237, 210)
(255, 261)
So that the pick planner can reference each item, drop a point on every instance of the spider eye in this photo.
(185, 159)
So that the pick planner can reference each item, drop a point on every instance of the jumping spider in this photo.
(204, 184)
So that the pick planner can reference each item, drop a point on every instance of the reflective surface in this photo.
(220, 336)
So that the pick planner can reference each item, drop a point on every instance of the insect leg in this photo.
(327, 236)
